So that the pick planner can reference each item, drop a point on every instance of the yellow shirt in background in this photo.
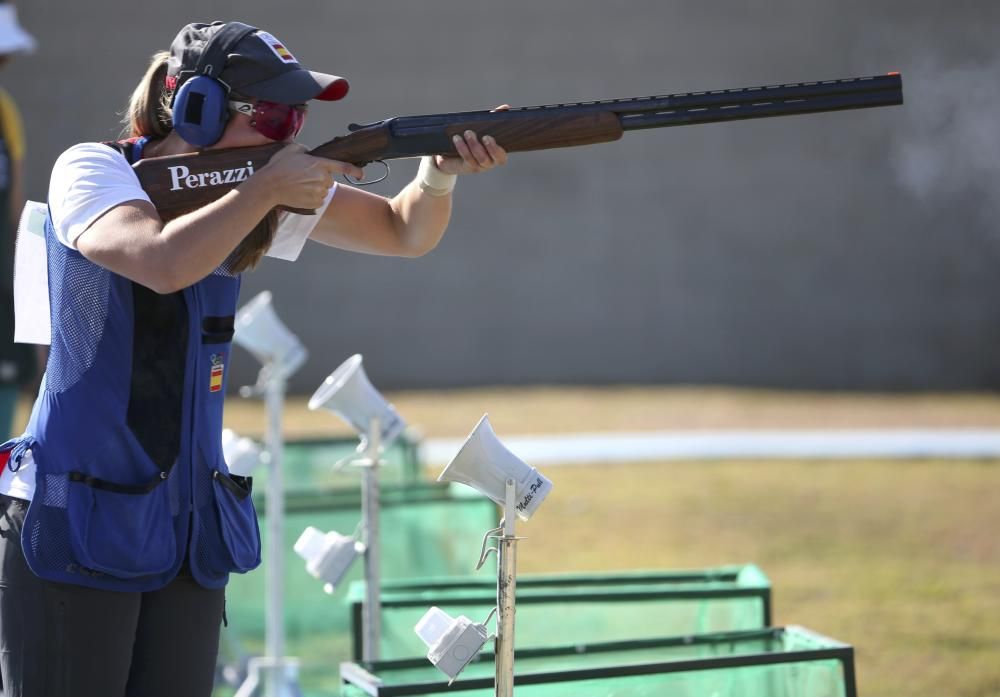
(13, 130)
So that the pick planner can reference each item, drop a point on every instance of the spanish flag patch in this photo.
(218, 368)
(276, 47)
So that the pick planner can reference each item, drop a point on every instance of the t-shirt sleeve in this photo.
(87, 181)
(293, 230)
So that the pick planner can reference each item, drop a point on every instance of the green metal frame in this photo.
(365, 676)
(726, 574)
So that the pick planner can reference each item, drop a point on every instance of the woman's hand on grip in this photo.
(297, 179)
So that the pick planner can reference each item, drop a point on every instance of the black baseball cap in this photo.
(254, 64)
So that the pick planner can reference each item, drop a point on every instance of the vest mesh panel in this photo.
(53, 548)
(78, 292)
(226, 268)
(56, 491)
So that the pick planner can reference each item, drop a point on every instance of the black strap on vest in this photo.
(105, 485)
(125, 147)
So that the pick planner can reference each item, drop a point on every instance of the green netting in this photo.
(781, 662)
(589, 607)
(308, 464)
(426, 529)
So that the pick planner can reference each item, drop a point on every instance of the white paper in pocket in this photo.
(31, 278)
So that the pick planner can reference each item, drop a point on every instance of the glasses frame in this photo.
(251, 109)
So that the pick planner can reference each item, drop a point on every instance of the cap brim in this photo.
(297, 87)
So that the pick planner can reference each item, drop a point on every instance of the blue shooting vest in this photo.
(126, 433)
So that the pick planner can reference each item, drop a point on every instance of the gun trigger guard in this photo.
(356, 182)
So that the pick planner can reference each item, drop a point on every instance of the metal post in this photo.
(274, 553)
(259, 672)
(506, 586)
(372, 609)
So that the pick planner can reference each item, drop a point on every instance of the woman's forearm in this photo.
(421, 218)
(132, 241)
(195, 244)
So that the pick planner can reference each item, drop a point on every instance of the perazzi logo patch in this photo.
(218, 368)
(181, 177)
(277, 47)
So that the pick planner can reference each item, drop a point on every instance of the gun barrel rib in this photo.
(839, 94)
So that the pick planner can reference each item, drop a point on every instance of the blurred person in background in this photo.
(17, 361)
(120, 520)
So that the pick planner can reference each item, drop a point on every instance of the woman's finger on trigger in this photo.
(352, 171)
(337, 167)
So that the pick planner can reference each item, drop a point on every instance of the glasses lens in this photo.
(278, 121)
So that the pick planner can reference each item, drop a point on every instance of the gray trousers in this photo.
(61, 640)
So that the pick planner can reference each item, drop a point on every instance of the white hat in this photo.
(13, 39)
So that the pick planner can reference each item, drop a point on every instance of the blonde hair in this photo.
(149, 114)
(254, 246)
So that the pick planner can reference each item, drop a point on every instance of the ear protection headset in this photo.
(201, 104)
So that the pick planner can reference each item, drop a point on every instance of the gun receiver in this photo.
(180, 183)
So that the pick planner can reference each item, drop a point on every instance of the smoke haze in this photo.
(948, 144)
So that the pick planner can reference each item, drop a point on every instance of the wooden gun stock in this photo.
(179, 184)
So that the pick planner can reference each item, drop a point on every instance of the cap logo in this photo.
(276, 47)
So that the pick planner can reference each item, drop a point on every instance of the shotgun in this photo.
(177, 184)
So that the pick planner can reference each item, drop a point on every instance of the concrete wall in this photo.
(854, 250)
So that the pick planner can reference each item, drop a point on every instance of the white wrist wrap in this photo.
(433, 181)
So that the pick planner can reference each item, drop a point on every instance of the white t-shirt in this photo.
(87, 181)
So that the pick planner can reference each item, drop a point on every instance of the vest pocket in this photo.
(121, 529)
(240, 551)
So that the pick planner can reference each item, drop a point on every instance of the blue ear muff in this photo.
(201, 110)
(201, 103)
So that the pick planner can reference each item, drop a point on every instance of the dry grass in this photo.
(900, 559)
(563, 410)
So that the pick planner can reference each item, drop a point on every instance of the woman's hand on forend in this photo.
(474, 154)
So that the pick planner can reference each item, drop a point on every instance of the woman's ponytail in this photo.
(148, 112)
